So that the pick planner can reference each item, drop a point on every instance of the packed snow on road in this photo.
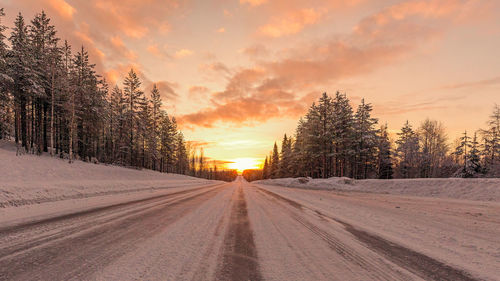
(83, 221)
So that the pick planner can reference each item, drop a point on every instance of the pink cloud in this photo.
(286, 86)
(291, 23)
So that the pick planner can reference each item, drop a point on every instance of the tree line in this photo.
(52, 100)
(333, 140)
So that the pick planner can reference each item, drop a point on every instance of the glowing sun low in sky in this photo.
(242, 164)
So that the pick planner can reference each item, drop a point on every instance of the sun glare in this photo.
(241, 164)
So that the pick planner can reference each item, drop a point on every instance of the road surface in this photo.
(240, 231)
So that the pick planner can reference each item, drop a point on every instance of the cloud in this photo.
(198, 91)
(285, 87)
(64, 9)
(158, 51)
(227, 13)
(193, 144)
(253, 2)
(256, 51)
(221, 30)
(121, 50)
(167, 89)
(291, 23)
(480, 83)
(214, 70)
(182, 53)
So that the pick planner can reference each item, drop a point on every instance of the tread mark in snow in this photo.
(415, 262)
(240, 254)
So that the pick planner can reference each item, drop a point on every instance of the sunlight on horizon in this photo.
(241, 164)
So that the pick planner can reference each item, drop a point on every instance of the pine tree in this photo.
(491, 139)
(201, 164)
(155, 124)
(45, 53)
(366, 141)
(343, 134)
(474, 156)
(384, 159)
(265, 169)
(4, 77)
(26, 84)
(135, 98)
(461, 149)
(407, 151)
(6, 102)
(275, 164)
(286, 158)
(324, 117)
(182, 164)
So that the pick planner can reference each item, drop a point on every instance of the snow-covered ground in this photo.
(487, 189)
(246, 231)
(29, 179)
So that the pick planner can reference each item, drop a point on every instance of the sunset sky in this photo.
(239, 73)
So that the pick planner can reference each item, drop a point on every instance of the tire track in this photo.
(240, 254)
(422, 265)
(79, 254)
(33, 234)
(374, 270)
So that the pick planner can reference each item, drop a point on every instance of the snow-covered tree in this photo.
(491, 140)
(265, 169)
(6, 102)
(275, 164)
(286, 158)
(434, 148)
(155, 124)
(135, 98)
(407, 151)
(384, 159)
(365, 141)
(26, 83)
(343, 135)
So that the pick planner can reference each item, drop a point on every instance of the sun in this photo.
(241, 164)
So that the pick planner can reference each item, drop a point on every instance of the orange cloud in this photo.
(221, 30)
(198, 91)
(255, 51)
(253, 2)
(182, 53)
(292, 23)
(63, 8)
(286, 86)
(157, 51)
(120, 48)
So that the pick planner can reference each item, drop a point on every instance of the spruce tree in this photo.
(343, 135)
(26, 84)
(286, 158)
(407, 151)
(384, 159)
(155, 124)
(135, 98)
(6, 104)
(275, 164)
(4, 77)
(265, 169)
(366, 141)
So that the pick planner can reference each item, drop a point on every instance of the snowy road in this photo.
(240, 231)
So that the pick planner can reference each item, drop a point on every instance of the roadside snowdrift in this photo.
(29, 179)
(469, 189)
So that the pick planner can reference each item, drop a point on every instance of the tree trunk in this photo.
(52, 116)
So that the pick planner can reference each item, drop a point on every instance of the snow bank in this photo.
(29, 179)
(456, 188)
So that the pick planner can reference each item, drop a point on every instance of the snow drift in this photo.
(29, 179)
(487, 189)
